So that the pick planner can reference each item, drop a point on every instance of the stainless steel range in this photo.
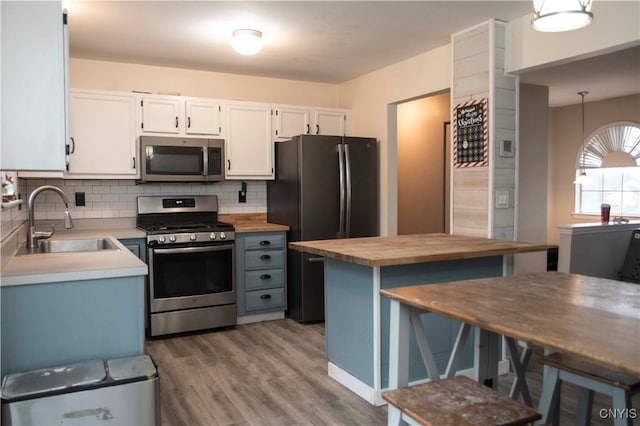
(191, 264)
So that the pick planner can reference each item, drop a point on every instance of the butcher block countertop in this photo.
(408, 249)
(251, 222)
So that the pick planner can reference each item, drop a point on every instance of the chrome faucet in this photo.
(32, 235)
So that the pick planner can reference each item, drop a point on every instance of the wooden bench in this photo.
(590, 377)
(458, 401)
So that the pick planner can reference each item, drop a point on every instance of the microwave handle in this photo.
(205, 161)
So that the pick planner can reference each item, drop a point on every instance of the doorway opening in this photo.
(423, 164)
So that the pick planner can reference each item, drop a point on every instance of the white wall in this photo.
(615, 25)
(101, 75)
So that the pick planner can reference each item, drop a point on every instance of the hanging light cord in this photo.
(583, 144)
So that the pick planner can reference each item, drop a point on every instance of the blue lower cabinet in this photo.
(137, 246)
(45, 325)
(260, 272)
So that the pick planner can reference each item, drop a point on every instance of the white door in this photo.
(160, 115)
(329, 122)
(290, 122)
(203, 118)
(103, 131)
(249, 148)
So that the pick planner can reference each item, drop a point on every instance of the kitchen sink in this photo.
(66, 246)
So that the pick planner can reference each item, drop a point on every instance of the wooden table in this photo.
(357, 317)
(594, 318)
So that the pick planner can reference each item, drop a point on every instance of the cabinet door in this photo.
(33, 86)
(103, 132)
(203, 118)
(290, 122)
(160, 115)
(329, 122)
(249, 148)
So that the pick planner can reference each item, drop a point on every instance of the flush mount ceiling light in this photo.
(582, 179)
(561, 15)
(247, 42)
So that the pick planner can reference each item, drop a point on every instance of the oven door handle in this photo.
(193, 249)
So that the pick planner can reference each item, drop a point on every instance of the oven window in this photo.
(173, 160)
(192, 273)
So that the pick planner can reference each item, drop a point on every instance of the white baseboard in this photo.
(248, 319)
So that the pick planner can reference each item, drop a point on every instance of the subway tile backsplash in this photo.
(117, 198)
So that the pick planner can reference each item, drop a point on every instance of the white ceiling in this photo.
(320, 41)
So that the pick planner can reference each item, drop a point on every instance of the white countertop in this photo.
(596, 227)
(73, 266)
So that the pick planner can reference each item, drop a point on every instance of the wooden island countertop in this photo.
(251, 222)
(410, 249)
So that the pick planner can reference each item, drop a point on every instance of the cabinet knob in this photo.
(176, 122)
(317, 129)
(265, 297)
(188, 122)
(265, 242)
(265, 257)
(265, 277)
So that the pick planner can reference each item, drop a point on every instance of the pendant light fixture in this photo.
(247, 42)
(582, 179)
(561, 15)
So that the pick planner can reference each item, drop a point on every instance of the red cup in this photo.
(605, 209)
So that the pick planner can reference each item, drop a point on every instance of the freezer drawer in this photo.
(123, 391)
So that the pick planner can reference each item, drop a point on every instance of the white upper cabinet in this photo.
(177, 115)
(160, 115)
(34, 60)
(203, 118)
(103, 131)
(248, 145)
(291, 121)
(329, 122)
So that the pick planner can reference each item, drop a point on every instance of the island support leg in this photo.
(486, 357)
(400, 327)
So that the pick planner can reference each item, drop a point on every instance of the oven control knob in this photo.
(193, 237)
(172, 238)
(161, 240)
(223, 236)
(212, 236)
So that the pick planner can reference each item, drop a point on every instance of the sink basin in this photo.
(66, 246)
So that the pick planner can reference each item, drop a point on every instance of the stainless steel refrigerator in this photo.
(325, 187)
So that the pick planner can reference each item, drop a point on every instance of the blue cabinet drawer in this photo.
(260, 259)
(266, 278)
(265, 241)
(265, 299)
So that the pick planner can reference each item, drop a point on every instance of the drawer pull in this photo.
(265, 242)
(265, 277)
(265, 257)
(265, 297)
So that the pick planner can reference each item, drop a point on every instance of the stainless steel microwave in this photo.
(174, 159)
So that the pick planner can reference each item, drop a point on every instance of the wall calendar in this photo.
(470, 135)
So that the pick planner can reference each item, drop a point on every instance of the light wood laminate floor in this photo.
(275, 373)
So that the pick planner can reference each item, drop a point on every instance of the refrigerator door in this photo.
(319, 187)
(361, 157)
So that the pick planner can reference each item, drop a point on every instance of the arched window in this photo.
(611, 159)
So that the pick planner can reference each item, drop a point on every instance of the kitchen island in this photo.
(357, 318)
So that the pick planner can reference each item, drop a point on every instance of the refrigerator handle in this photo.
(347, 162)
(342, 189)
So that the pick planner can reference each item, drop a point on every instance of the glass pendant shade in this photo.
(561, 15)
(582, 179)
(247, 42)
